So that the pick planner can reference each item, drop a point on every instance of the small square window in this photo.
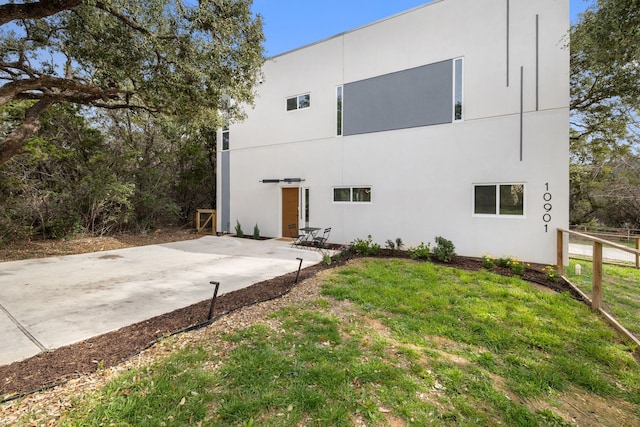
(485, 199)
(362, 194)
(292, 104)
(341, 194)
(512, 199)
(498, 199)
(304, 101)
(352, 194)
(298, 102)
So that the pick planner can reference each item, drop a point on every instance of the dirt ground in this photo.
(39, 248)
(55, 367)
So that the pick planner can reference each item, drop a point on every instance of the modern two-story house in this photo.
(450, 119)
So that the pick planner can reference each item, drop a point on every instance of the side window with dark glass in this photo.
(225, 138)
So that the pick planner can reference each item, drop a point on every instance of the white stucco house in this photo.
(450, 119)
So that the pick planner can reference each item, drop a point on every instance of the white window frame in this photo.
(340, 110)
(225, 131)
(305, 207)
(351, 201)
(498, 214)
(297, 98)
(453, 94)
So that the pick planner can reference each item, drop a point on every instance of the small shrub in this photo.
(345, 252)
(366, 247)
(399, 243)
(488, 262)
(503, 262)
(256, 232)
(517, 267)
(326, 259)
(551, 273)
(444, 250)
(420, 252)
(394, 245)
(239, 231)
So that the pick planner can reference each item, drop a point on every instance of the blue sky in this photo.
(289, 24)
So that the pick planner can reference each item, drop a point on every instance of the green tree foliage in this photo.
(605, 73)
(161, 56)
(607, 193)
(171, 161)
(605, 103)
(136, 173)
(65, 181)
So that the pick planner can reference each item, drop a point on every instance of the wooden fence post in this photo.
(596, 293)
(560, 253)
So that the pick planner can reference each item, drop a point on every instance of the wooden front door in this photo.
(289, 210)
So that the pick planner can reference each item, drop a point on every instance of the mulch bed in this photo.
(51, 368)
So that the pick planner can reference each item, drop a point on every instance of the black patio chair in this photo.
(320, 241)
(297, 237)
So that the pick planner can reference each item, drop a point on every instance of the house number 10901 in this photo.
(547, 208)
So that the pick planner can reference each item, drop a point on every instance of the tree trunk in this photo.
(13, 143)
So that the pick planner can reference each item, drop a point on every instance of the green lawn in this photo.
(391, 342)
(620, 290)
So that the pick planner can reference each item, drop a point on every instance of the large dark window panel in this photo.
(416, 97)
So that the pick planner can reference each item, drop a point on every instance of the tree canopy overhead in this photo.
(605, 106)
(165, 56)
(605, 74)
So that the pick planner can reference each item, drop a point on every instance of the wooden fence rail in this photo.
(615, 236)
(596, 294)
(620, 233)
(598, 243)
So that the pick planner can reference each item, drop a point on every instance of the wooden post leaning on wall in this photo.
(596, 293)
(560, 253)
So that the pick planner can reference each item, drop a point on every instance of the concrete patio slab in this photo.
(51, 302)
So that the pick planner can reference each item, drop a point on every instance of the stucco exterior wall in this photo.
(421, 178)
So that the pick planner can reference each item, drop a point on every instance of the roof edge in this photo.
(431, 3)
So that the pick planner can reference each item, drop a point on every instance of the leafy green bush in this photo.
(444, 250)
(420, 252)
(239, 231)
(256, 232)
(366, 247)
(488, 262)
(518, 267)
(503, 262)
